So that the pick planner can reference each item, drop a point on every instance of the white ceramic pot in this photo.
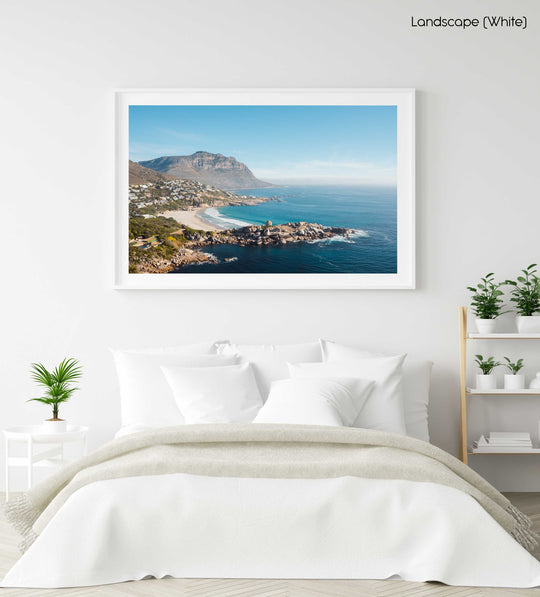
(486, 326)
(528, 324)
(54, 426)
(486, 382)
(514, 382)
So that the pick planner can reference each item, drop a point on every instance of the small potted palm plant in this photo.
(486, 303)
(486, 380)
(514, 380)
(526, 296)
(58, 388)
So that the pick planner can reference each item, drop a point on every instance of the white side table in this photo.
(32, 435)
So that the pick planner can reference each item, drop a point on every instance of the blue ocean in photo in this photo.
(370, 210)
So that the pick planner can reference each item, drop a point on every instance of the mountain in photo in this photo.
(213, 169)
(140, 175)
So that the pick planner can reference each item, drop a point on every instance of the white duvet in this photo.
(195, 526)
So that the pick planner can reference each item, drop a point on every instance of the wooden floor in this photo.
(528, 502)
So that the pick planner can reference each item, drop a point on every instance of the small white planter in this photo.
(486, 382)
(514, 382)
(528, 324)
(52, 426)
(486, 326)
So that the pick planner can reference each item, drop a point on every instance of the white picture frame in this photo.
(403, 99)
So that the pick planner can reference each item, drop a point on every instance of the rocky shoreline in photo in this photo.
(269, 234)
(191, 251)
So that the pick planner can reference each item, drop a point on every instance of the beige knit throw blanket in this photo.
(271, 451)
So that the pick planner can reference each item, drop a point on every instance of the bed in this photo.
(304, 461)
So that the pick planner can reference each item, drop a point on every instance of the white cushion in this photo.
(416, 382)
(269, 361)
(215, 394)
(383, 409)
(145, 396)
(183, 349)
(315, 401)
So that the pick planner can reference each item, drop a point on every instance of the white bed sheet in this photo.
(194, 526)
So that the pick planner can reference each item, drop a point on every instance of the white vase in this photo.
(514, 382)
(535, 382)
(54, 426)
(528, 324)
(486, 382)
(486, 326)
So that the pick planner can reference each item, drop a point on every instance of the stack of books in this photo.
(503, 441)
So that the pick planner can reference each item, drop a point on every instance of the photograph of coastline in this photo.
(262, 189)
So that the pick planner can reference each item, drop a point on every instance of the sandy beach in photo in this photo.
(191, 218)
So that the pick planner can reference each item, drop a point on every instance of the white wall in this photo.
(477, 182)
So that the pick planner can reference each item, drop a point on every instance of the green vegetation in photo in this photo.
(147, 227)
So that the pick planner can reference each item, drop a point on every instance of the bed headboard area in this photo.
(220, 382)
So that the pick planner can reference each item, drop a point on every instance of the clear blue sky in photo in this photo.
(304, 144)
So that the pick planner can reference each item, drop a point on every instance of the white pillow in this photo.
(269, 361)
(416, 382)
(145, 396)
(328, 401)
(183, 349)
(383, 409)
(215, 395)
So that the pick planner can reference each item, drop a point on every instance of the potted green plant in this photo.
(514, 380)
(525, 295)
(486, 303)
(486, 380)
(58, 388)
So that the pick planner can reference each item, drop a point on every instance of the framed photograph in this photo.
(265, 188)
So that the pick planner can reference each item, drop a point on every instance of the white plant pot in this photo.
(528, 324)
(486, 382)
(514, 382)
(486, 326)
(59, 426)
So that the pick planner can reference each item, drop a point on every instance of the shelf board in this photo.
(505, 336)
(502, 392)
(502, 451)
